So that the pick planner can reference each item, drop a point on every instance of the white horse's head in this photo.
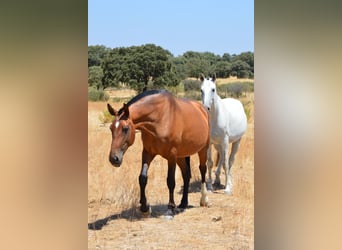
(208, 91)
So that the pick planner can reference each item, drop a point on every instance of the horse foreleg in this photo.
(146, 160)
(225, 147)
(220, 153)
(210, 167)
(184, 164)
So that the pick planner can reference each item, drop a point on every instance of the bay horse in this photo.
(171, 127)
(228, 124)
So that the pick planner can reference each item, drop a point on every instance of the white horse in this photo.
(228, 123)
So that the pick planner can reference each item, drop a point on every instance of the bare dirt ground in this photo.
(114, 221)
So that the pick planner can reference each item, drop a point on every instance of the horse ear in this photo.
(202, 77)
(214, 77)
(126, 111)
(111, 110)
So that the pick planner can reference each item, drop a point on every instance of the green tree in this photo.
(241, 68)
(96, 54)
(115, 69)
(197, 66)
(223, 69)
(200, 62)
(227, 57)
(247, 57)
(137, 66)
(179, 66)
(95, 75)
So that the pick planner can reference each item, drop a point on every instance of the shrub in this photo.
(235, 89)
(97, 95)
(175, 89)
(106, 117)
(194, 95)
(190, 84)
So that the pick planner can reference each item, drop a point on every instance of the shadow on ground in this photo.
(134, 214)
(195, 187)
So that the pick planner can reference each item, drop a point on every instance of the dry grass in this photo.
(231, 79)
(113, 199)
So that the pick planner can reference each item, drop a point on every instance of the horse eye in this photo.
(213, 90)
(125, 129)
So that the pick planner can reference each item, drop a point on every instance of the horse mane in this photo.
(142, 95)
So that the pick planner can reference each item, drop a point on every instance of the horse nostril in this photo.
(114, 159)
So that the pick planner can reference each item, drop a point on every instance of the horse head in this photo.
(208, 91)
(123, 134)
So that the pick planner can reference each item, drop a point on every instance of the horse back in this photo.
(236, 117)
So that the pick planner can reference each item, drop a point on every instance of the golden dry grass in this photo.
(220, 81)
(113, 199)
(230, 79)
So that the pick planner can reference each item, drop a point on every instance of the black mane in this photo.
(142, 95)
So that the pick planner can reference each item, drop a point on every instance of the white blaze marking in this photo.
(116, 124)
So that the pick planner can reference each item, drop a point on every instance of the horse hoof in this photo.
(168, 215)
(204, 202)
(182, 206)
(209, 187)
(146, 214)
(228, 192)
(179, 210)
(217, 184)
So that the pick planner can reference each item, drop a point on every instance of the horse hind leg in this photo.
(171, 183)
(235, 148)
(203, 168)
(184, 164)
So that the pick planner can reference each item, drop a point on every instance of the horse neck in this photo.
(215, 107)
(143, 116)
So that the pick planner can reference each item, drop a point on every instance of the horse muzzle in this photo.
(207, 107)
(115, 160)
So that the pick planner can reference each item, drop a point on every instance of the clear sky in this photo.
(218, 26)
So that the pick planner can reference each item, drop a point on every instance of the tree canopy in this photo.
(137, 66)
(96, 55)
(149, 64)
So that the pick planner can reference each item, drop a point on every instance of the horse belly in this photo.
(193, 140)
(190, 148)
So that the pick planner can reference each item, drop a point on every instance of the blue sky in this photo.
(218, 26)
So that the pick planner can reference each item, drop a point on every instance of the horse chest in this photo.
(217, 130)
(216, 137)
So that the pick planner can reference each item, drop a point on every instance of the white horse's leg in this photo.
(225, 147)
(220, 152)
(235, 148)
(210, 167)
